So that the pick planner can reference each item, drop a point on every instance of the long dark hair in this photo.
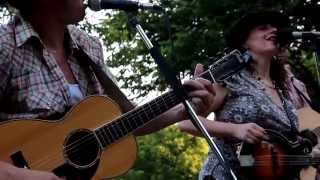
(278, 74)
(24, 6)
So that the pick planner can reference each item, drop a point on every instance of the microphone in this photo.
(286, 36)
(306, 35)
(126, 5)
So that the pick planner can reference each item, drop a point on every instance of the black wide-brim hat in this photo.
(2, 2)
(239, 31)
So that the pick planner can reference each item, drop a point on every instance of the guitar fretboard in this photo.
(132, 120)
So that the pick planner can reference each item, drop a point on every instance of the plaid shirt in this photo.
(32, 84)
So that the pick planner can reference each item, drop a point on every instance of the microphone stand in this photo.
(314, 40)
(317, 60)
(178, 89)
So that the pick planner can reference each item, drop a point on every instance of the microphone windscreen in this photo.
(94, 5)
(284, 37)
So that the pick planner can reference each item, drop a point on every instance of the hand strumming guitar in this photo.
(249, 133)
(9, 172)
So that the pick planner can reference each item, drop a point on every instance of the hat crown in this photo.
(3, 2)
(239, 31)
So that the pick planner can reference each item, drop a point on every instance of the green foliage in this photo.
(197, 28)
(168, 154)
(4, 15)
(197, 33)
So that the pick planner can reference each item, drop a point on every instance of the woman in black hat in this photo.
(257, 94)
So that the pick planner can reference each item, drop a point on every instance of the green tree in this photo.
(197, 28)
(197, 33)
(168, 154)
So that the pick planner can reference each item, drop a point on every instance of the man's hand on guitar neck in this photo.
(202, 94)
(9, 172)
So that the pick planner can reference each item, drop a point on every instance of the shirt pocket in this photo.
(44, 101)
(34, 91)
(27, 78)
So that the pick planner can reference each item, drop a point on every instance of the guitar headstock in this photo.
(227, 66)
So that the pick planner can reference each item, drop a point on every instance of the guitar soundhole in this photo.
(81, 149)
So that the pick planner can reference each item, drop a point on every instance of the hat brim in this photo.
(239, 31)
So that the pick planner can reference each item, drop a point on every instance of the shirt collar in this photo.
(80, 40)
(71, 42)
(23, 31)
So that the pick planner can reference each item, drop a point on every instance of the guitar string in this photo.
(284, 164)
(86, 138)
(287, 162)
(266, 159)
(77, 144)
(285, 155)
(57, 160)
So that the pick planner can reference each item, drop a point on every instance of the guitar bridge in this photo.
(19, 160)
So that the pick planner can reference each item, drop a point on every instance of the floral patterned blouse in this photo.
(247, 103)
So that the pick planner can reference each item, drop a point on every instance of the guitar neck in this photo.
(306, 160)
(132, 120)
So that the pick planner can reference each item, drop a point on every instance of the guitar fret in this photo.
(127, 123)
(123, 126)
(211, 76)
(152, 109)
(133, 121)
(101, 138)
(119, 128)
(114, 131)
(146, 114)
(163, 102)
(149, 109)
(106, 136)
(109, 134)
(157, 108)
(171, 100)
(140, 116)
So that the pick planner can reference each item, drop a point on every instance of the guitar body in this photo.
(281, 158)
(41, 143)
(266, 162)
(308, 119)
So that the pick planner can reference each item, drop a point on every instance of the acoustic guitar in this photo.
(309, 119)
(93, 139)
(281, 158)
